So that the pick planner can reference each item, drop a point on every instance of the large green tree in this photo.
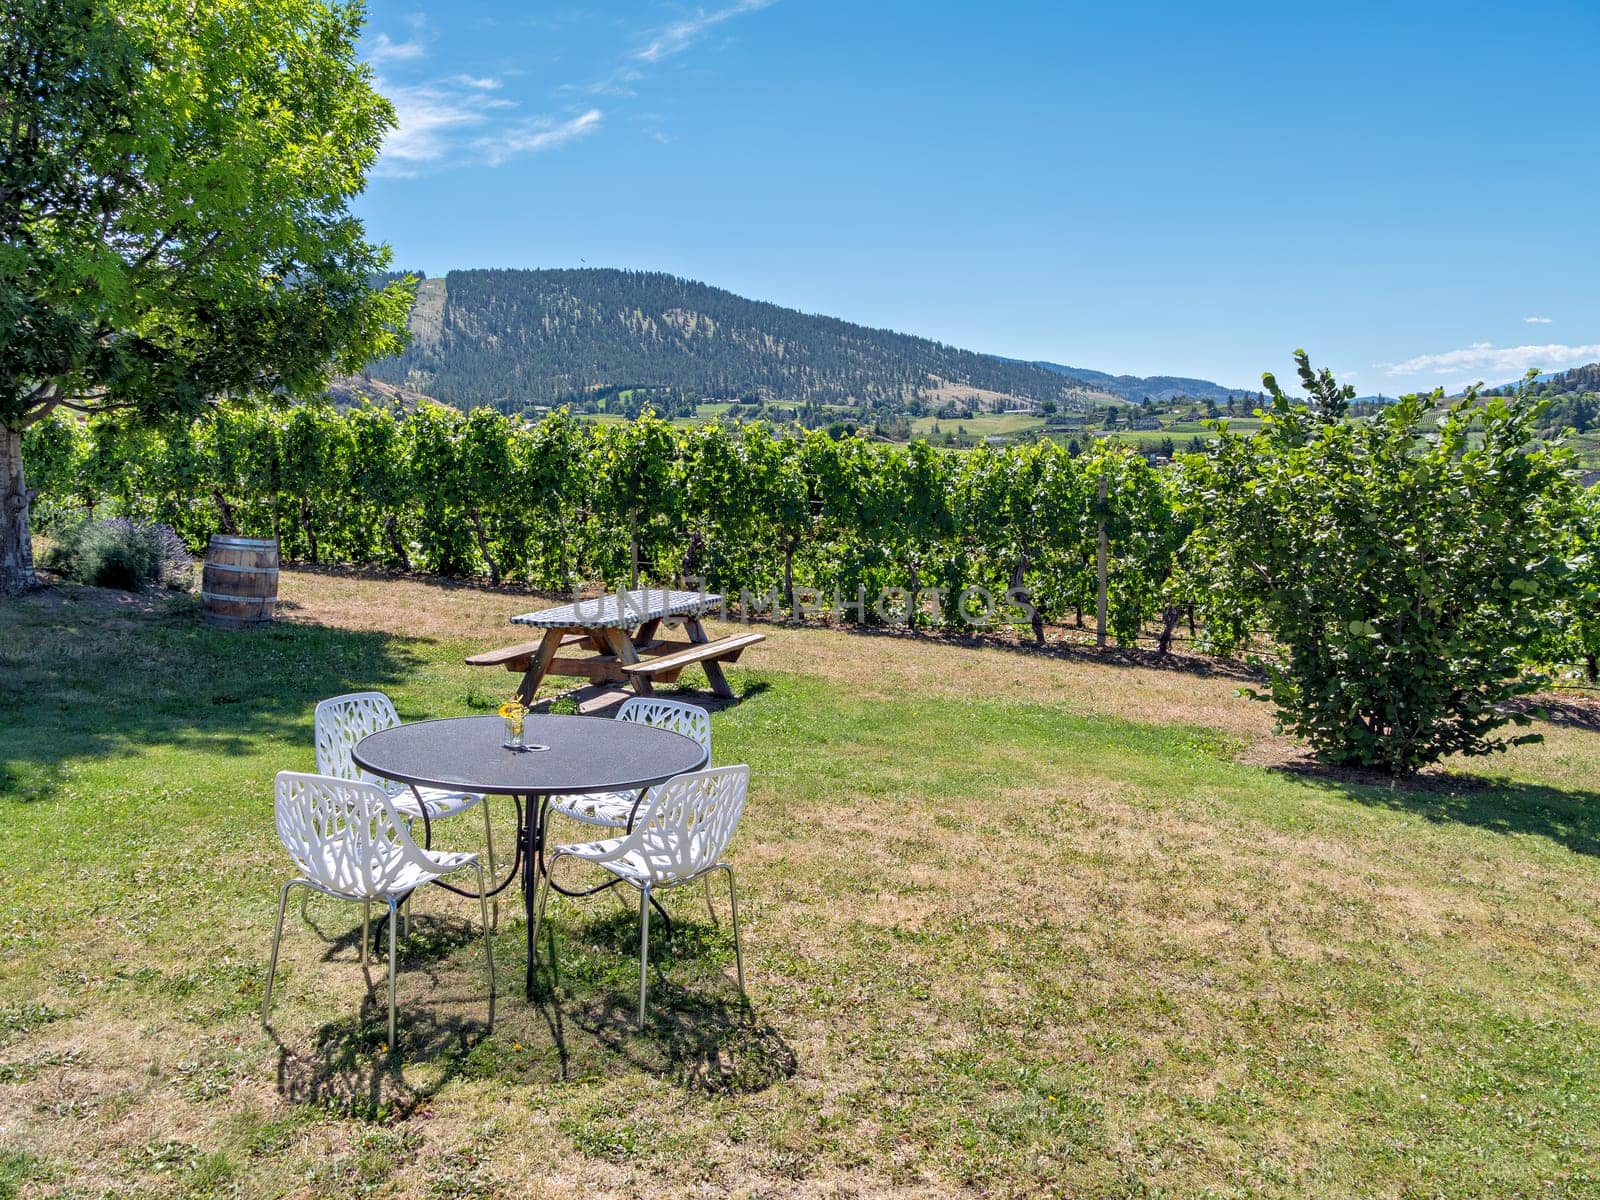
(175, 177)
(1404, 562)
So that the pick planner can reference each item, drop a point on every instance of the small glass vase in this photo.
(513, 734)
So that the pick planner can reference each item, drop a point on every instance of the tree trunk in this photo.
(691, 558)
(633, 543)
(306, 529)
(16, 537)
(391, 532)
(1170, 616)
(911, 604)
(788, 573)
(229, 525)
(483, 546)
(1019, 589)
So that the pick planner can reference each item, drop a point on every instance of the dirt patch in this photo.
(58, 595)
(1567, 709)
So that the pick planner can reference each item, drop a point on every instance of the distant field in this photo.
(1587, 448)
(980, 425)
(704, 413)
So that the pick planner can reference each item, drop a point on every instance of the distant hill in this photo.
(347, 391)
(519, 338)
(1137, 387)
(1569, 383)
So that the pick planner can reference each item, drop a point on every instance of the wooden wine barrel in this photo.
(240, 584)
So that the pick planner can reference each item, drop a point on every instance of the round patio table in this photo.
(563, 756)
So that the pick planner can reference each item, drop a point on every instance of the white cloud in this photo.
(1486, 360)
(425, 118)
(680, 35)
(385, 50)
(484, 83)
(540, 134)
(615, 84)
(1536, 320)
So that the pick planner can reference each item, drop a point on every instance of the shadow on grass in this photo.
(350, 1070)
(699, 1031)
(1569, 818)
(444, 583)
(83, 680)
(1062, 650)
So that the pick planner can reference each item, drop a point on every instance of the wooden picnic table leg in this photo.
(540, 664)
(714, 675)
(646, 633)
(622, 646)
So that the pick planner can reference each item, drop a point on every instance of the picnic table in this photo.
(614, 639)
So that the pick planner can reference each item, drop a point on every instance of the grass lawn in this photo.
(1018, 924)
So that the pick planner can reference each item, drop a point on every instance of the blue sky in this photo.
(1409, 190)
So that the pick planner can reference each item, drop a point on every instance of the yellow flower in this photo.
(511, 709)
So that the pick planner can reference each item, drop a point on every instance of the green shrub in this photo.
(120, 553)
(1403, 563)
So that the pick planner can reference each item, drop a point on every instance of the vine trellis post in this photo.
(1100, 568)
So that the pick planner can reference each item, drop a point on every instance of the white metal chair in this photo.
(343, 721)
(350, 842)
(679, 837)
(615, 810)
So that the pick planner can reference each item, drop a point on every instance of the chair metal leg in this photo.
(488, 943)
(709, 909)
(738, 944)
(644, 950)
(393, 920)
(488, 837)
(272, 959)
(366, 932)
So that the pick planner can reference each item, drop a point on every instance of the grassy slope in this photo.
(1017, 925)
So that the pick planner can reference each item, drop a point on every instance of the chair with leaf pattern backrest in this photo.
(350, 842)
(679, 836)
(615, 810)
(343, 721)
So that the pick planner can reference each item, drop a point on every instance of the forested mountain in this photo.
(519, 338)
(1574, 382)
(1135, 388)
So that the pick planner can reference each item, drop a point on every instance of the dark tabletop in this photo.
(586, 754)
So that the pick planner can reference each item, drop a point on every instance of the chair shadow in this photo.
(1568, 817)
(349, 1068)
(699, 1034)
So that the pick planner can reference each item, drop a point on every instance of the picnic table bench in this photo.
(620, 633)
